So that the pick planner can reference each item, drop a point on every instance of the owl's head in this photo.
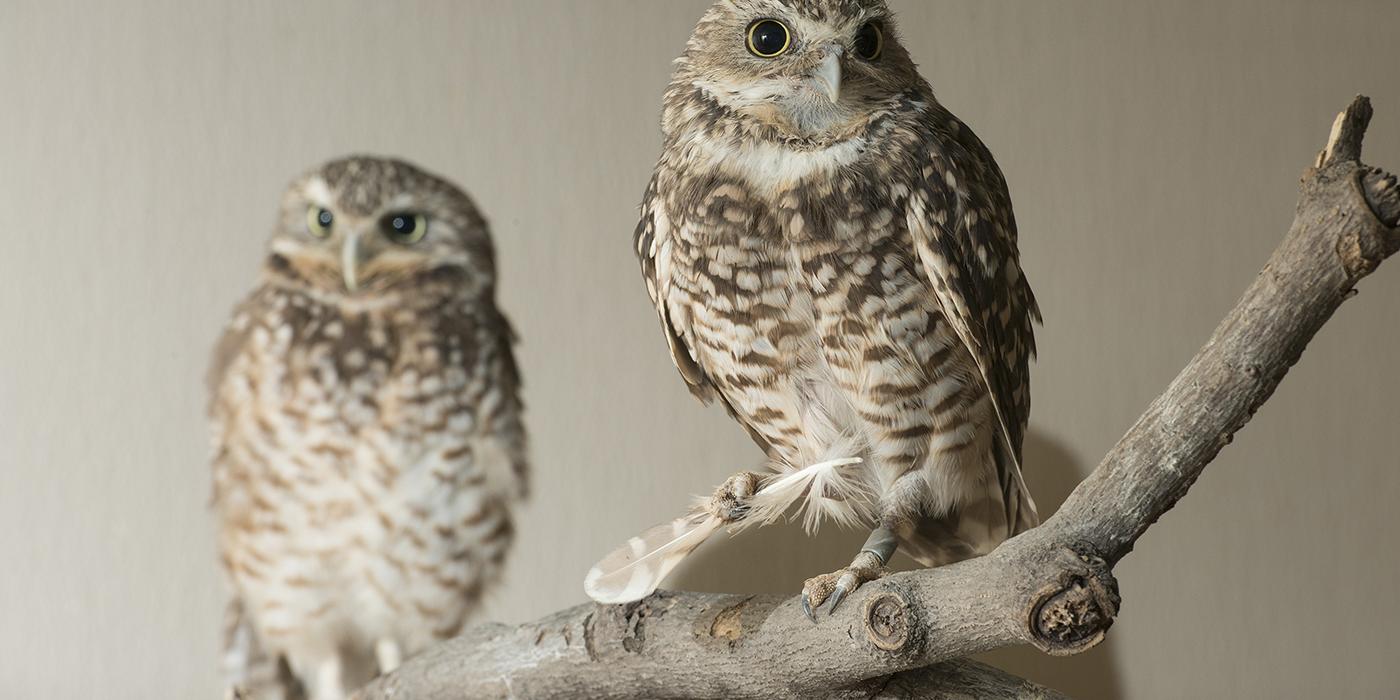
(362, 227)
(807, 68)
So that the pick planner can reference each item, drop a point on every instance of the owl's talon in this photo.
(833, 588)
(836, 597)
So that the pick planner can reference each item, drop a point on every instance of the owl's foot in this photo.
(730, 502)
(868, 566)
(833, 588)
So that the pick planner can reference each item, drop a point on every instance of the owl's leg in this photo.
(328, 683)
(730, 501)
(253, 672)
(389, 655)
(867, 566)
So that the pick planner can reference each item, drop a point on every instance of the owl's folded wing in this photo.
(964, 231)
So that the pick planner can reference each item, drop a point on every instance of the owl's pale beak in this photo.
(351, 257)
(827, 75)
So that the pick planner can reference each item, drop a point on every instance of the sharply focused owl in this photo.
(368, 445)
(833, 257)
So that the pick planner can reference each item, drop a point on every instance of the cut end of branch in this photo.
(1074, 614)
(1348, 132)
(1382, 192)
(1363, 248)
(887, 621)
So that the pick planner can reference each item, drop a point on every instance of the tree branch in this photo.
(1052, 587)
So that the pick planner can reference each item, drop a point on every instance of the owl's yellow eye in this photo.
(405, 228)
(769, 38)
(319, 221)
(870, 42)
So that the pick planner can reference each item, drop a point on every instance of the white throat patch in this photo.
(771, 167)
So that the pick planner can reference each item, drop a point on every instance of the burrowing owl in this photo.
(367, 431)
(833, 256)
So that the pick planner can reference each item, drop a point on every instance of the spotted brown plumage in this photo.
(833, 255)
(368, 444)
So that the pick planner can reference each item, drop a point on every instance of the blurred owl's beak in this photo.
(827, 75)
(350, 259)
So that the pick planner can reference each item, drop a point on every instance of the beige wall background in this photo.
(1153, 151)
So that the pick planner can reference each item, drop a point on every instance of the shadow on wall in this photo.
(777, 559)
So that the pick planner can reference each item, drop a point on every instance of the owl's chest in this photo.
(804, 311)
(338, 405)
(786, 268)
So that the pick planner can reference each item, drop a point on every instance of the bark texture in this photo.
(1052, 587)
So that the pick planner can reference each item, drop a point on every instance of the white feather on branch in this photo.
(635, 570)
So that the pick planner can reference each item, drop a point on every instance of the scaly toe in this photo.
(816, 592)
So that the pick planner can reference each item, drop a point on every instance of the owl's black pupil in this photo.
(868, 42)
(769, 37)
(403, 224)
(324, 218)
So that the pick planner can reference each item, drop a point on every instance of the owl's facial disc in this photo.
(348, 255)
(808, 68)
(370, 230)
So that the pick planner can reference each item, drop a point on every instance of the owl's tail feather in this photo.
(635, 570)
(1001, 509)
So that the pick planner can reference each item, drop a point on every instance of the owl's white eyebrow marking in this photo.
(286, 246)
(319, 192)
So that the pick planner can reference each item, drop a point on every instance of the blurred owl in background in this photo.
(368, 445)
(833, 256)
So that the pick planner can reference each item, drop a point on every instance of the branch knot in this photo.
(887, 621)
(1073, 614)
(1382, 192)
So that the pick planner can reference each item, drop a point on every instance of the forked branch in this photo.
(1052, 587)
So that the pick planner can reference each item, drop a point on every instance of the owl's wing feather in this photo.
(650, 239)
(231, 343)
(496, 339)
(961, 220)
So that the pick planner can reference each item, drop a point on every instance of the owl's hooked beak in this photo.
(827, 74)
(352, 255)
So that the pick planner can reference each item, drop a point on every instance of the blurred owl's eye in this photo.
(318, 221)
(769, 38)
(870, 42)
(405, 228)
